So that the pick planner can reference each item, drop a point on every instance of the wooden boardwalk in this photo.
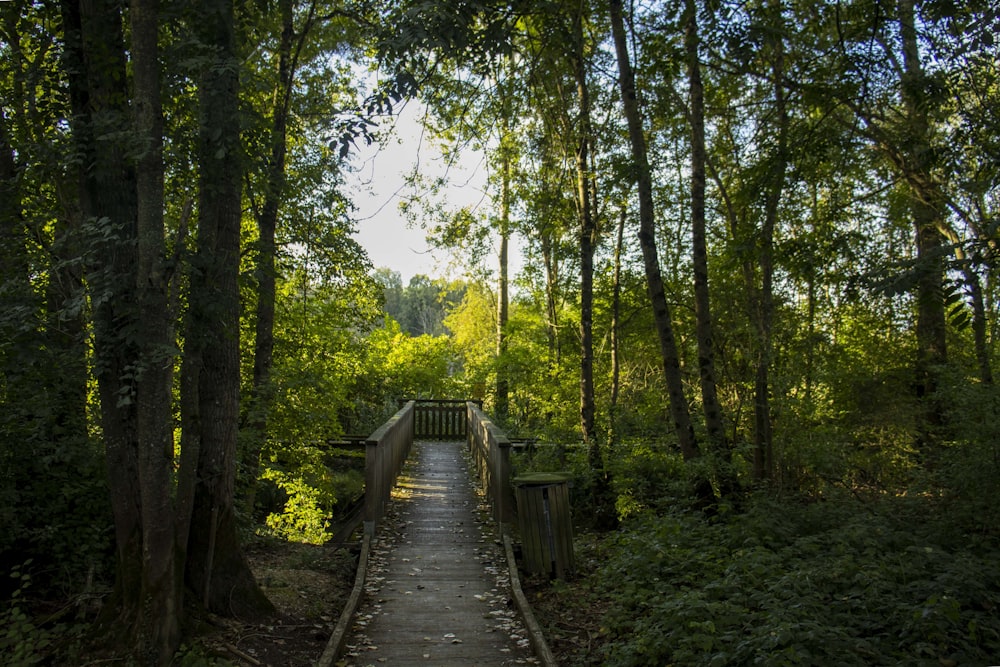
(438, 591)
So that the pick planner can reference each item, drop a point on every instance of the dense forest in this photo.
(757, 318)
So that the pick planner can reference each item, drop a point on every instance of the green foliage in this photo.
(420, 307)
(306, 514)
(22, 642)
(398, 365)
(303, 492)
(646, 476)
(798, 585)
(53, 501)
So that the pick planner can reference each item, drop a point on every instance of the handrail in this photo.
(439, 420)
(490, 450)
(385, 452)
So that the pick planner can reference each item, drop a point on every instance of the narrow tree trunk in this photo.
(714, 422)
(616, 306)
(503, 305)
(679, 410)
(14, 268)
(265, 270)
(551, 263)
(926, 211)
(763, 436)
(979, 323)
(587, 238)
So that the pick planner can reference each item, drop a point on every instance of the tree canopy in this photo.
(757, 317)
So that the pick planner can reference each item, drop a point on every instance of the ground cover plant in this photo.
(830, 577)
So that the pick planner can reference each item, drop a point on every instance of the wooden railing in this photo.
(490, 450)
(387, 448)
(439, 419)
(385, 452)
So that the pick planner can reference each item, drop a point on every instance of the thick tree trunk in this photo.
(162, 577)
(94, 58)
(679, 409)
(216, 567)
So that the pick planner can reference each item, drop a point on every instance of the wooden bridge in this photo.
(437, 583)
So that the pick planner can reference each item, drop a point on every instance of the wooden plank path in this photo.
(438, 590)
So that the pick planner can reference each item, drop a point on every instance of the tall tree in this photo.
(502, 405)
(587, 229)
(289, 49)
(161, 593)
(217, 570)
(670, 357)
(927, 211)
(714, 423)
(95, 62)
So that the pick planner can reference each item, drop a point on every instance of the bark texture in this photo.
(216, 567)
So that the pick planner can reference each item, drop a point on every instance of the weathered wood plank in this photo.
(439, 593)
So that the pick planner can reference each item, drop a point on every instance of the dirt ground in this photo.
(308, 585)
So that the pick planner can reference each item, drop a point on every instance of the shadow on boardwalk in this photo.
(438, 591)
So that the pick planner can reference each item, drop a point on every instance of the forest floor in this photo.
(308, 585)
(571, 611)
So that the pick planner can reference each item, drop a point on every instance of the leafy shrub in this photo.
(21, 641)
(646, 476)
(302, 499)
(781, 585)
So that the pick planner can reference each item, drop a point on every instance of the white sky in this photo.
(378, 186)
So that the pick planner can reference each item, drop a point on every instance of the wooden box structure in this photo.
(543, 518)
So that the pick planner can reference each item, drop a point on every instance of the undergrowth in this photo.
(829, 583)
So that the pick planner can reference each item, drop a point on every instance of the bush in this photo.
(806, 585)
(22, 640)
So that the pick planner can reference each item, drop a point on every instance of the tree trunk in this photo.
(616, 306)
(502, 385)
(551, 263)
(265, 270)
(763, 438)
(162, 577)
(714, 422)
(216, 567)
(14, 268)
(926, 210)
(587, 239)
(679, 410)
(979, 322)
(95, 62)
